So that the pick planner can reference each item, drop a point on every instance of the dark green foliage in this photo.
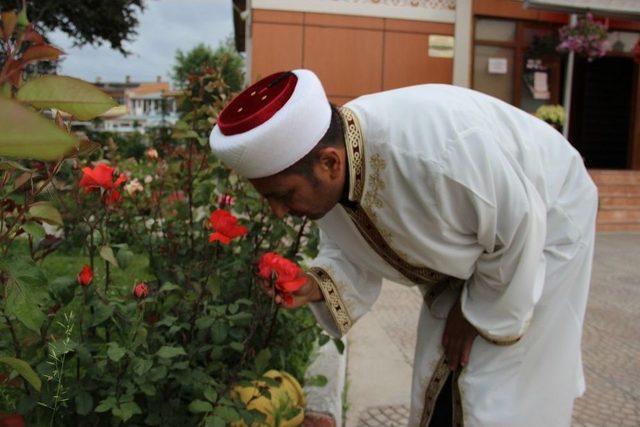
(225, 59)
(85, 21)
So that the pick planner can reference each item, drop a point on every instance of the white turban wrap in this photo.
(286, 137)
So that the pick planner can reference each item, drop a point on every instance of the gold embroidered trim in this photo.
(354, 143)
(499, 341)
(437, 381)
(372, 198)
(418, 275)
(332, 298)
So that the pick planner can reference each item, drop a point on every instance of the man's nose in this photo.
(278, 209)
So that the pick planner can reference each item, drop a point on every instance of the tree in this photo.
(85, 21)
(225, 59)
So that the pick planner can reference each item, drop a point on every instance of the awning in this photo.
(629, 9)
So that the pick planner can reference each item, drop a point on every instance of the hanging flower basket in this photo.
(587, 38)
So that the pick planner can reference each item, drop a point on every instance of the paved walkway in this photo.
(381, 347)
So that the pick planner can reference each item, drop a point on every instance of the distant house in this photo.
(148, 105)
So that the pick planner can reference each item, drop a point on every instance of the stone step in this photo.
(608, 177)
(603, 228)
(626, 190)
(619, 202)
(619, 216)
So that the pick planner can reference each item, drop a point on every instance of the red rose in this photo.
(141, 290)
(225, 227)
(85, 277)
(288, 275)
(11, 420)
(101, 177)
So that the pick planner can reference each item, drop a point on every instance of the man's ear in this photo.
(330, 161)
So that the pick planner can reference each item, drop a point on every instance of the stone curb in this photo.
(324, 404)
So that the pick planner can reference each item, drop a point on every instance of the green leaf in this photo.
(210, 394)
(35, 230)
(101, 312)
(219, 332)
(237, 346)
(167, 352)
(26, 290)
(46, 212)
(262, 360)
(10, 164)
(214, 421)
(74, 96)
(141, 366)
(106, 253)
(124, 257)
(25, 134)
(106, 404)
(24, 370)
(115, 352)
(61, 347)
(168, 287)
(227, 413)
(84, 403)
(316, 381)
(339, 345)
(128, 410)
(23, 21)
(63, 288)
(198, 406)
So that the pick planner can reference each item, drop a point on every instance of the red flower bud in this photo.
(85, 277)
(141, 290)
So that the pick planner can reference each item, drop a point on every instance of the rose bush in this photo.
(154, 316)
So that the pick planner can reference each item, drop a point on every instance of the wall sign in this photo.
(498, 65)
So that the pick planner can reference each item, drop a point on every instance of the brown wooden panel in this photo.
(276, 47)
(348, 61)
(555, 17)
(406, 26)
(344, 21)
(407, 62)
(276, 16)
(618, 24)
(339, 100)
(504, 9)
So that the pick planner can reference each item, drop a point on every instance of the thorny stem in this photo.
(14, 337)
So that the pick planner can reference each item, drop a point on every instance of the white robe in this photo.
(458, 190)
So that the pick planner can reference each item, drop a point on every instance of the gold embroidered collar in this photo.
(354, 144)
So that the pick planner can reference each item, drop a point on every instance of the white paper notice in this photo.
(497, 65)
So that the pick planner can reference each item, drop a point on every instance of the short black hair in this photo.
(333, 137)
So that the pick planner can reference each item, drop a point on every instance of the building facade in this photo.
(500, 47)
(146, 105)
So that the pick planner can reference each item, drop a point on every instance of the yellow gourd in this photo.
(288, 392)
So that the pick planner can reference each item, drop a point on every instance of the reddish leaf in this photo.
(31, 35)
(13, 70)
(9, 21)
(43, 52)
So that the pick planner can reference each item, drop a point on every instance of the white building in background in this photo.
(147, 105)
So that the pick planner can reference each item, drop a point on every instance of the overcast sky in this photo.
(164, 26)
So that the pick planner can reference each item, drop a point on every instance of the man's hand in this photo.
(309, 292)
(457, 338)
